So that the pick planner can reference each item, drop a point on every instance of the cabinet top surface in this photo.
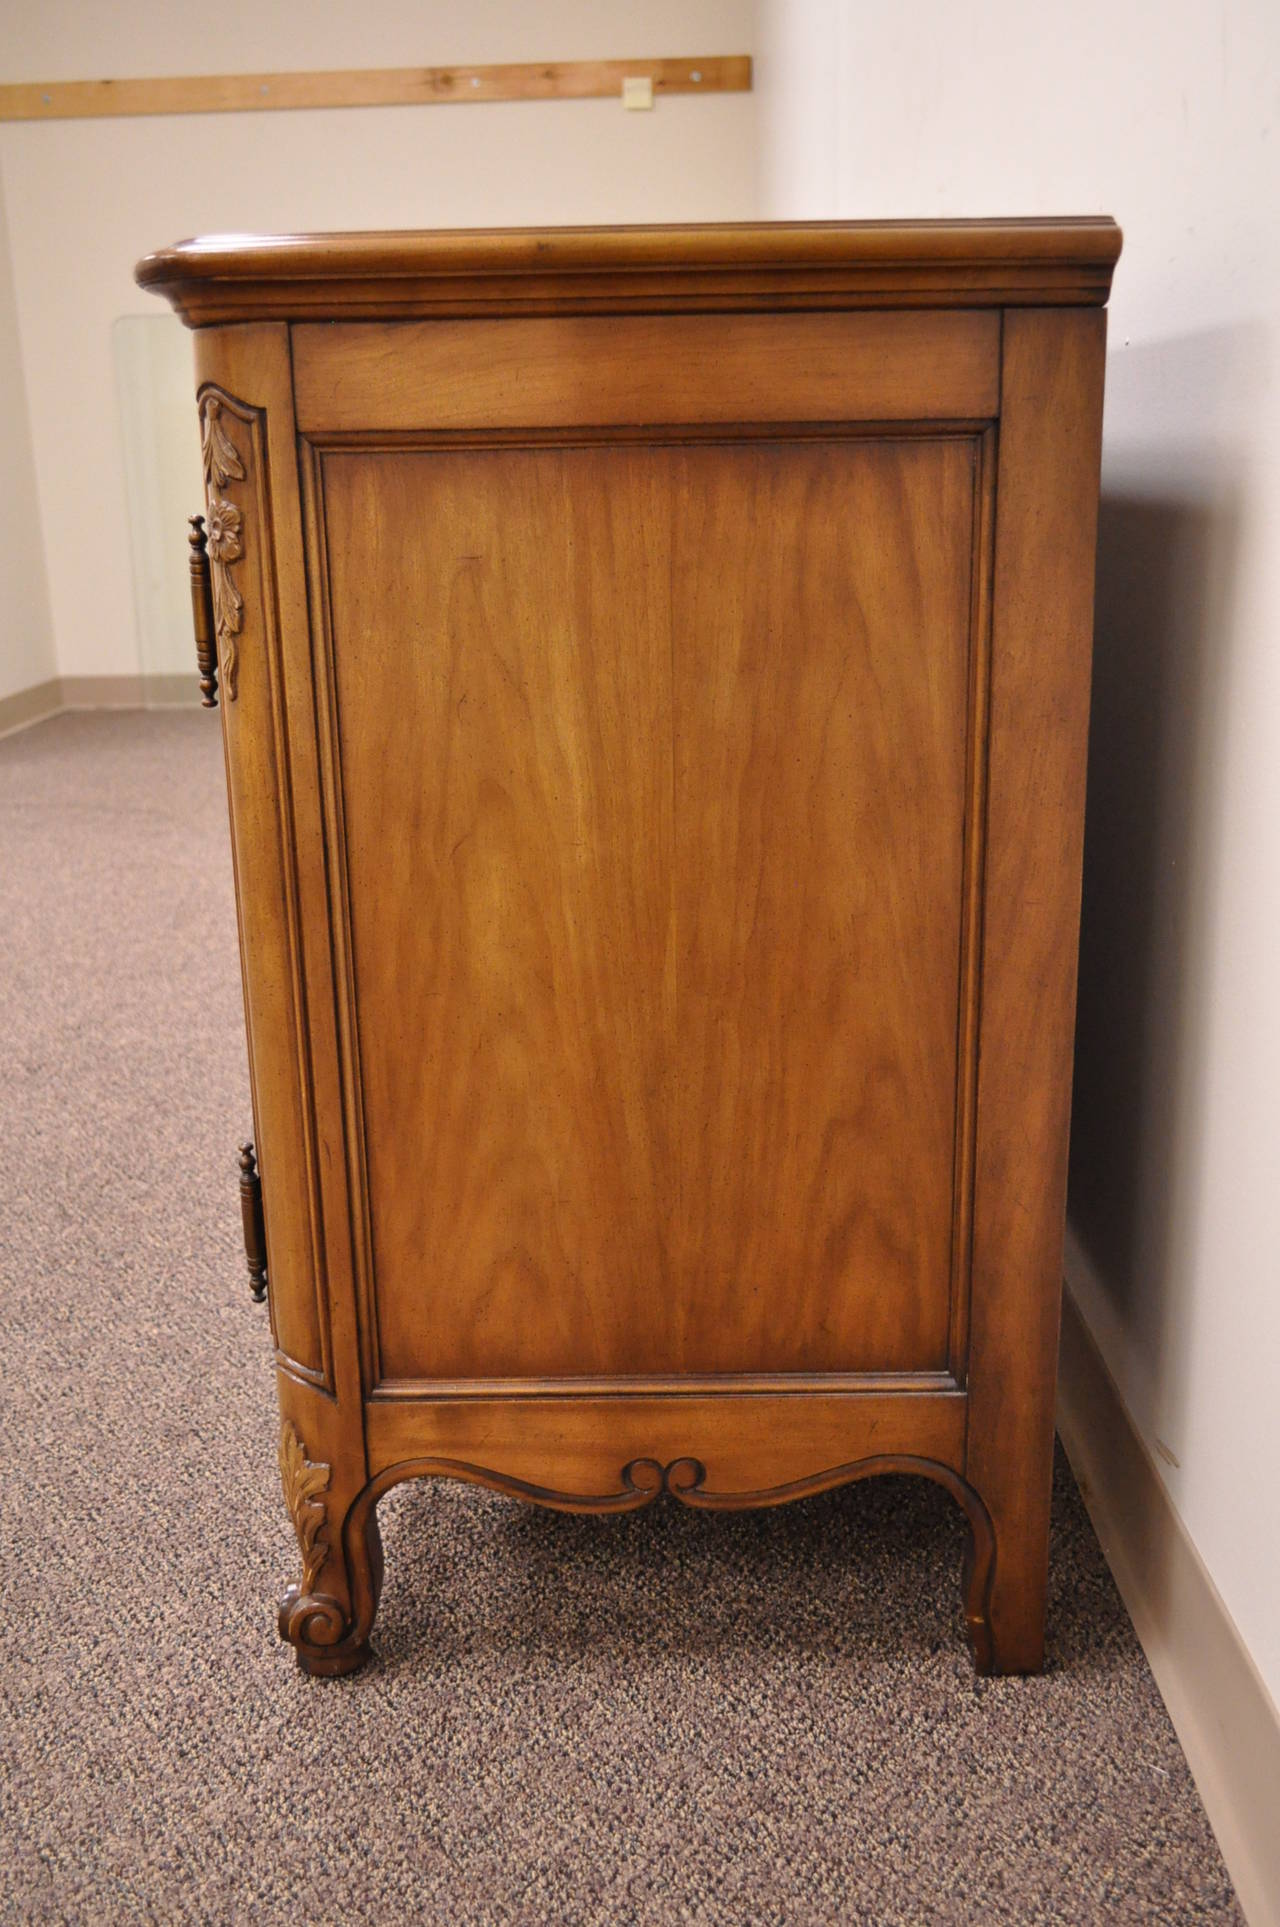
(837, 264)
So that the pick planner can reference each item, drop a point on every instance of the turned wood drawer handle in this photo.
(255, 1225)
(202, 613)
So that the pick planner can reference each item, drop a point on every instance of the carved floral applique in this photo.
(222, 530)
(224, 539)
(222, 462)
(303, 1480)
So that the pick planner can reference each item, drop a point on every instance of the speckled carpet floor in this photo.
(670, 1717)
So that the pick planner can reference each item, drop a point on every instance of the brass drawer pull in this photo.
(255, 1225)
(202, 613)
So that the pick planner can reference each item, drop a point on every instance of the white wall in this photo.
(1165, 115)
(87, 198)
(26, 630)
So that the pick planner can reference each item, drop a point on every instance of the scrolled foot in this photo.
(316, 1626)
(329, 1637)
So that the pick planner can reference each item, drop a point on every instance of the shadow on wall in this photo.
(1166, 560)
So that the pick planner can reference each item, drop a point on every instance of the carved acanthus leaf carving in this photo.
(222, 464)
(303, 1480)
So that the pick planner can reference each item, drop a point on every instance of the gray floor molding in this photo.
(1218, 1702)
(26, 706)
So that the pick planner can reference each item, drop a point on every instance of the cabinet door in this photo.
(650, 773)
(268, 710)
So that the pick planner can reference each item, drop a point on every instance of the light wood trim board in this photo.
(370, 87)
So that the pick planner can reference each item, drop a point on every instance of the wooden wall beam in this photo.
(370, 87)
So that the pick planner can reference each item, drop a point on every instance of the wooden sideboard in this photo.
(654, 671)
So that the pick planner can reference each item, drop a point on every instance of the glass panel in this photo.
(155, 387)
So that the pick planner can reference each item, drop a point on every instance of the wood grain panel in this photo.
(513, 938)
(657, 981)
(820, 709)
(587, 369)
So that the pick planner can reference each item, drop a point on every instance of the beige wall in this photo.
(87, 198)
(1166, 116)
(26, 631)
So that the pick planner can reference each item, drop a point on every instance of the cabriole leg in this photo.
(327, 1615)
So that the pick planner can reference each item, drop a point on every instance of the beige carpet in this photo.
(671, 1717)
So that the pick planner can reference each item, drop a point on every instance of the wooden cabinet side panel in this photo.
(1046, 515)
(652, 1020)
(269, 734)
